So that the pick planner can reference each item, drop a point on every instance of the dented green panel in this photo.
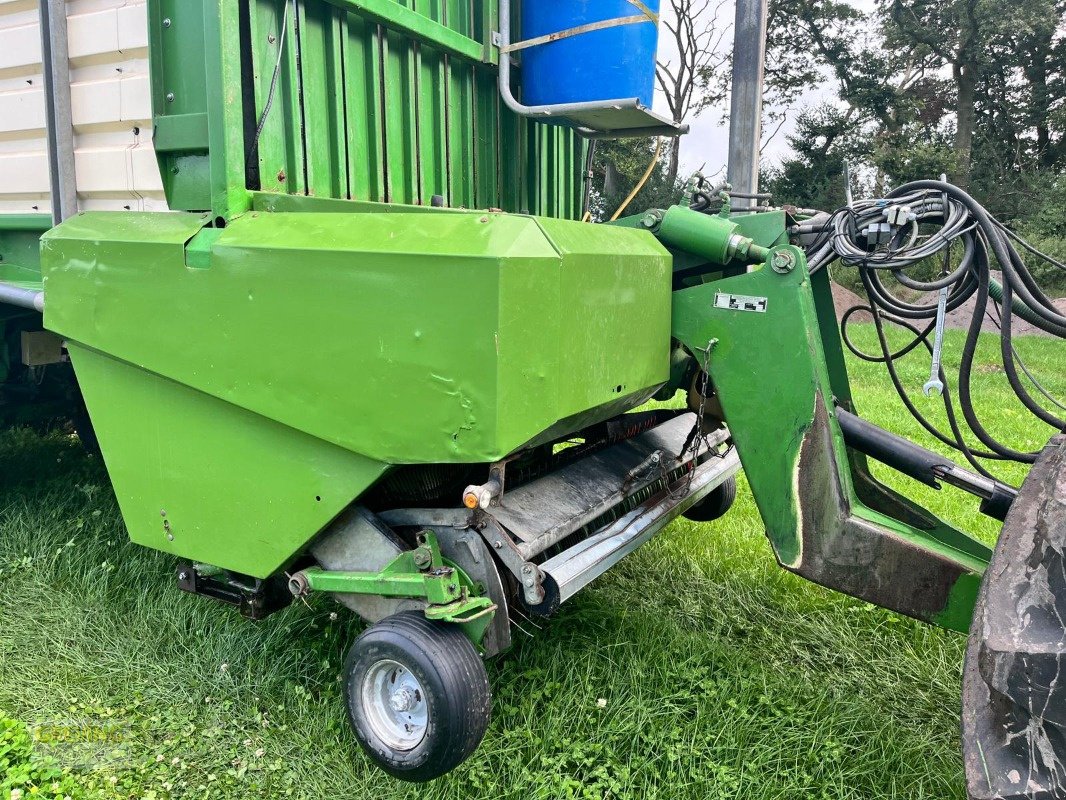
(359, 340)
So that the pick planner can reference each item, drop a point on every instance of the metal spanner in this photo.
(934, 384)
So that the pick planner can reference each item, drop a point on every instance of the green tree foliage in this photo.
(972, 88)
(617, 167)
(824, 140)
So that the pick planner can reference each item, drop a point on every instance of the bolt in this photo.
(162, 512)
(497, 544)
(183, 576)
(271, 38)
(782, 261)
(281, 176)
(166, 22)
(652, 219)
(170, 537)
(170, 97)
(529, 582)
(422, 558)
(527, 569)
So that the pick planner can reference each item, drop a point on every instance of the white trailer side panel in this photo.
(110, 103)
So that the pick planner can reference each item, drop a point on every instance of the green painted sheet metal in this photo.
(178, 54)
(20, 256)
(329, 346)
(342, 327)
(25, 222)
(373, 114)
(422, 24)
(206, 480)
(380, 100)
(775, 381)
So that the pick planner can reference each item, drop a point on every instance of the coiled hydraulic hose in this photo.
(893, 235)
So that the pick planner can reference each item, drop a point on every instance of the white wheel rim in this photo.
(394, 705)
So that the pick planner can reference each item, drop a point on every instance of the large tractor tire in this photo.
(1014, 680)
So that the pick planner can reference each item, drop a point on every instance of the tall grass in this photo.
(723, 676)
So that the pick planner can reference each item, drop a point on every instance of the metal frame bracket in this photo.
(420, 573)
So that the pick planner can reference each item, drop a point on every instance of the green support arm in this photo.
(778, 371)
(420, 573)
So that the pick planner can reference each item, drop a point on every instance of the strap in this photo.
(647, 12)
(646, 15)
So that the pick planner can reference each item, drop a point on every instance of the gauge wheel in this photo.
(716, 504)
(417, 695)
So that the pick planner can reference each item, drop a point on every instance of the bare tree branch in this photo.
(697, 38)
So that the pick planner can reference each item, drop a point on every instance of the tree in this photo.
(956, 33)
(616, 169)
(824, 140)
(690, 84)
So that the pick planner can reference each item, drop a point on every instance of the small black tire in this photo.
(716, 504)
(417, 695)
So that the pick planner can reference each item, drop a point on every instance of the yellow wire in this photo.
(641, 182)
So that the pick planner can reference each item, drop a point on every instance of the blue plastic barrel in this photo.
(611, 64)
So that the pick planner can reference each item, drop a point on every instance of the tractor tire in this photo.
(417, 695)
(1014, 678)
(716, 504)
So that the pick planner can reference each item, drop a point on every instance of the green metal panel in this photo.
(178, 55)
(342, 327)
(381, 100)
(20, 257)
(329, 346)
(794, 455)
(206, 480)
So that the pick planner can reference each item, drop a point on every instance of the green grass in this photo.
(724, 677)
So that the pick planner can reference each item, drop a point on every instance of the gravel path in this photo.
(844, 299)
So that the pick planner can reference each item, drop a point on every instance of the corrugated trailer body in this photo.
(111, 107)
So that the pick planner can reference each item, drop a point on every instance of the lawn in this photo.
(697, 669)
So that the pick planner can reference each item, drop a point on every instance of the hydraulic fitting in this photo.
(483, 495)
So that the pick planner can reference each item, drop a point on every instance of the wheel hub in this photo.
(403, 700)
(394, 705)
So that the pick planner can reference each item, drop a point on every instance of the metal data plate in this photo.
(740, 302)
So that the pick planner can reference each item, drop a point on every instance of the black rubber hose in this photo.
(947, 280)
(966, 369)
(958, 443)
(1012, 373)
(1000, 249)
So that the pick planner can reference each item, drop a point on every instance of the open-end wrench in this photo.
(934, 384)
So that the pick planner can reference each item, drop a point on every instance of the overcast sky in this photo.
(707, 144)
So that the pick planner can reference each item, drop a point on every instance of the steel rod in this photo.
(55, 65)
(24, 298)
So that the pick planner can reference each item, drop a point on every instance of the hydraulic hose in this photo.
(902, 231)
(995, 290)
